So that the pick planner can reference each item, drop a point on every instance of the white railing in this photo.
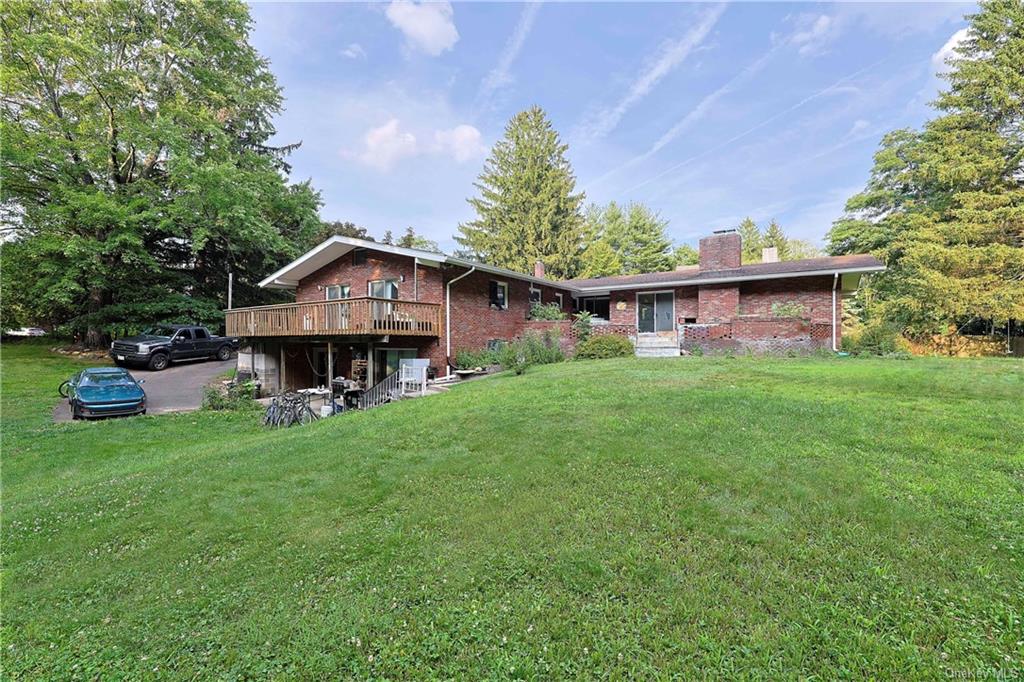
(413, 380)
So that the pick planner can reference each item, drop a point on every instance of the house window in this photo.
(383, 288)
(494, 345)
(359, 257)
(498, 292)
(559, 299)
(336, 291)
(689, 320)
(598, 306)
(534, 294)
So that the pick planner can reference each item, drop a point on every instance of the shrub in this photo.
(467, 359)
(605, 346)
(236, 396)
(531, 349)
(879, 338)
(790, 309)
(582, 323)
(549, 311)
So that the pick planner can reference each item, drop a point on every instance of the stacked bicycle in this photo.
(289, 409)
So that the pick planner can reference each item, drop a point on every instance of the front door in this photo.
(654, 312)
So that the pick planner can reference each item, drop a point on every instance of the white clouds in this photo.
(669, 56)
(354, 51)
(427, 26)
(813, 33)
(499, 75)
(462, 143)
(858, 126)
(386, 145)
(948, 50)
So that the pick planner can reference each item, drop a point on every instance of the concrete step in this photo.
(656, 342)
(665, 352)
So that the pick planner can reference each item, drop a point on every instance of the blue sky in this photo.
(705, 112)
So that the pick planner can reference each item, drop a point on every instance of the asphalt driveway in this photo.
(179, 388)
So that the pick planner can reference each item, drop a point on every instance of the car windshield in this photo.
(106, 379)
(160, 331)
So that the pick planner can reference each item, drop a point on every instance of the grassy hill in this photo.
(612, 518)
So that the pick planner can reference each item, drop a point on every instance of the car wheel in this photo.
(74, 413)
(158, 362)
(223, 353)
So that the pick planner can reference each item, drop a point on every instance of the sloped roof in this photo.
(693, 275)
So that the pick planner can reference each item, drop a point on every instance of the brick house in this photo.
(361, 307)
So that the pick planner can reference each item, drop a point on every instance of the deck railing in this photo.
(371, 316)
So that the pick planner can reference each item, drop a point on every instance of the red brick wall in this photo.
(814, 293)
(685, 306)
(720, 251)
(474, 322)
(718, 302)
(378, 265)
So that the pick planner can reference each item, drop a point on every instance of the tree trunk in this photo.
(94, 336)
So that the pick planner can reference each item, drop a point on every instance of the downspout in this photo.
(448, 320)
(835, 283)
(415, 279)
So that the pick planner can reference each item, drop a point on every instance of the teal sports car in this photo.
(103, 392)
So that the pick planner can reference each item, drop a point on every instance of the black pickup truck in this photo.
(158, 346)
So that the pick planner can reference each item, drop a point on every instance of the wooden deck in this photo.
(350, 316)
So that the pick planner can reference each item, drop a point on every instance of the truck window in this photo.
(201, 334)
(185, 334)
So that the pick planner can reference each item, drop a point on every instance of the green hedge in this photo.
(605, 346)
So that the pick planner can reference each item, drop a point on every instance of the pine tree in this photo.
(752, 239)
(636, 235)
(775, 237)
(686, 255)
(600, 260)
(528, 209)
(944, 206)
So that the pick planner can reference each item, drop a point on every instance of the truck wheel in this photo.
(223, 353)
(158, 362)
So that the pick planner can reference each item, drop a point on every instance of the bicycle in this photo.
(288, 409)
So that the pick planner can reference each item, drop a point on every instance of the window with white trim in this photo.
(534, 294)
(498, 294)
(336, 291)
(383, 288)
(560, 299)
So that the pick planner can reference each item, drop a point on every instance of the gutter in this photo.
(722, 280)
(448, 320)
(835, 283)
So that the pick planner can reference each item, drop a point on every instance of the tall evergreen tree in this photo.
(528, 209)
(944, 207)
(775, 238)
(600, 260)
(753, 241)
(137, 164)
(636, 235)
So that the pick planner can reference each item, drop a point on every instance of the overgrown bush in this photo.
(236, 396)
(879, 338)
(546, 311)
(531, 349)
(468, 359)
(790, 309)
(582, 324)
(604, 346)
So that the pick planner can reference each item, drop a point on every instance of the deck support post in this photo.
(330, 363)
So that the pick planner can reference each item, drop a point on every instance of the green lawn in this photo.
(619, 518)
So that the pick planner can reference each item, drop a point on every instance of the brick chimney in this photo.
(770, 254)
(721, 251)
(538, 270)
